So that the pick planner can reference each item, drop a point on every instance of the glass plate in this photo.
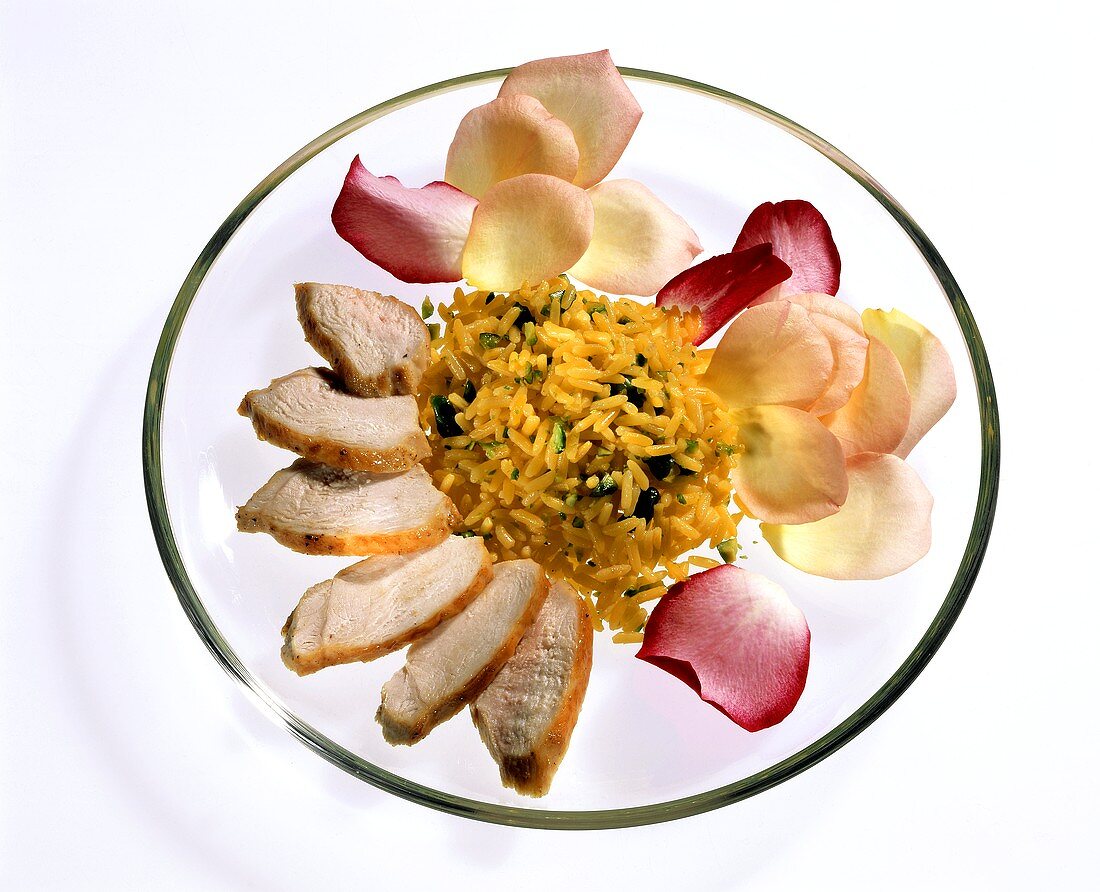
(646, 749)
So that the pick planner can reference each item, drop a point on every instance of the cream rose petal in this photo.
(876, 417)
(825, 305)
(791, 469)
(509, 136)
(638, 243)
(849, 359)
(884, 526)
(588, 94)
(526, 229)
(927, 367)
(772, 354)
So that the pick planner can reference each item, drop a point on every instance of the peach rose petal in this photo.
(638, 243)
(927, 368)
(884, 526)
(791, 469)
(801, 238)
(507, 137)
(876, 417)
(722, 286)
(416, 235)
(526, 229)
(590, 96)
(827, 305)
(734, 638)
(772, 354)
(849, 359)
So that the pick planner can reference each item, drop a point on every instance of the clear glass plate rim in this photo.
(593, 819)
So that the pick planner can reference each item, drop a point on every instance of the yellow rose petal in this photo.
(876, 417)
(590, 96)
(927, 367)
(638, 243)
(884, 526)
(791, 469)
(771, 354)
(510, 136)
(526, 229)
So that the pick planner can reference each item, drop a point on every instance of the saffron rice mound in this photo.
(570, 428)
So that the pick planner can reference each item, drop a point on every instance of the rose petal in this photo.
(507, 137)
(801, 238)
(927, 368)
(849, 360)
(589, 95)
(735, 638)
(826, 305)
(772, 354)
(526, 229)
(416, 235)
(722, 286)
(791, 469)
(876, 417)
(638, 243)
(884, 526)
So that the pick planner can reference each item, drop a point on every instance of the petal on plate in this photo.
(877, 415)
(734, 638)
(772, 354)
(884, 526)
(801, 238)
(526, 229)
(722, 286)
(638, 243)
(849, 360)
(416, 235)
(791, 469)
(927, 368)
(827, 305)
(589, 94)
(509, 136)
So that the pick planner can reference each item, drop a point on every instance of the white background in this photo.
(129, 760)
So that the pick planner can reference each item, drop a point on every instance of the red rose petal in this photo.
(801, 238)
(416, 235)
(722, 286)
(735, 638)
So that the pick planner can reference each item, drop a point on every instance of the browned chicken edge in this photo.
(338, 656)
(401, 734)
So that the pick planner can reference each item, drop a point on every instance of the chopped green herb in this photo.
(660, 466)
(630, 593)
(561, 515)
(493, 449)
(529, 333)
(445, 424)
(728, 550)
(571, 499)
(578, 522)
(545, 311)
(426, 308)
(681, 498)
(433, 330)
(466, 534)
(604, 451)
(515, 473)
(469, 391)
(598, 308)
(523, 318)
(606, 486)
(647, 501)
(725, 448)
(640, 360)
(557, 438)
(556, 295)
(691, 446)
(488, 340)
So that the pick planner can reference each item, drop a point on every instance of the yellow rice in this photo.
(514, 487)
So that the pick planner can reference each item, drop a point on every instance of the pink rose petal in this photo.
(509, 136)
(416, 235)
(722, 286)
(735, 638)
(587, 93)
(638, 242)
(801, 238)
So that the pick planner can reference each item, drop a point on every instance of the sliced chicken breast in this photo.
(450, 666)
(376, 344)
(315, 509)
(310, 412)
(381, 604)
(527, 714)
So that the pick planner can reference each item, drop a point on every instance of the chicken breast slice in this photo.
(314, 509)
(381, 604)
(450, 666)
(527, 714)
(376, 344)
(310, 412)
